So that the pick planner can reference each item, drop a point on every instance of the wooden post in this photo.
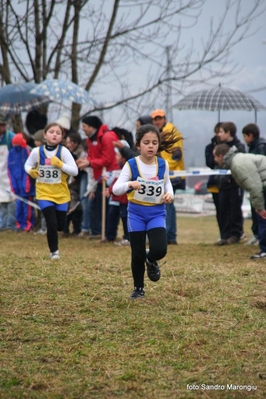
(103, 205)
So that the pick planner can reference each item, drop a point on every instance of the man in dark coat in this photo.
(230, 194)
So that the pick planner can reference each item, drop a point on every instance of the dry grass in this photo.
(68, 329)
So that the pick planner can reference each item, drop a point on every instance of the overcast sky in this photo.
(197, 126)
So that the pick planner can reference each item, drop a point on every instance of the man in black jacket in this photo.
(230, 194)
(212, 184)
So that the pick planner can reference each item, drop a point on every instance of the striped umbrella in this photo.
(220, 99)
(16, 98)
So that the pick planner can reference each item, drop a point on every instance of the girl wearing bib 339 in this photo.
(146, 180)
(50, 165)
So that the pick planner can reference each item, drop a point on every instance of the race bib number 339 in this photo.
(151, 191)
(49, 174)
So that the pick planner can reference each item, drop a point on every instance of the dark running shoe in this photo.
(137, 293)
(153, 270)
(220, 242)
(233, 240)
(260, 255)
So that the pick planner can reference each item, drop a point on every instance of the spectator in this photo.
(249, 171)
(256, 145)
(39, 140)
(86, 201)
(175, 159)
(213, 181)
(143, 120)
(230, 194)
(73, 140)
(101, 155)
(65, 122)
(7, 203)
(21, 183)
(117, 208)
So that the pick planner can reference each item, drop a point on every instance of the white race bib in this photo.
(49, 174)
(151, 191)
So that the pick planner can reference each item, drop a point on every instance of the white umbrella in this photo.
(220, 99)
(59, 90)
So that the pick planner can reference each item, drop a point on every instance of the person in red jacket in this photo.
(101, 154)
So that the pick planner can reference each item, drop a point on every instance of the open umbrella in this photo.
(59, 90)
(16, 98)
(220, 99)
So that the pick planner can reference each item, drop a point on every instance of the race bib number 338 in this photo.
(151, 191)
(49, 174)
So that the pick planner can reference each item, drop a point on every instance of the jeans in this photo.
(113, 218)
(8, 212)
(262, 229)
(96, 211)
(171, 228)
(86, 224)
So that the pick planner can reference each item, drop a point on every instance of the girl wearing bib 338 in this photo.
(146, 180)
(50, 165)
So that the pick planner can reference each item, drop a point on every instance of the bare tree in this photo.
(121, 44)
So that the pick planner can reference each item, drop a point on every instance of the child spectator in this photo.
(39, 140)
(73, 140)
(50, 165)
(21, 183)
(256, 145)
(84, 182)
(117, 208)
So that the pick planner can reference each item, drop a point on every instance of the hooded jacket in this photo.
(249, 172)
(21, 183)
(176, 158)
(101, 151)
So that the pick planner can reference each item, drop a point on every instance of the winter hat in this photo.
(157, 112)
(64, 122)
(145, 120)
(2, 119)
(92, 121)
(18, 139)
(39, 136)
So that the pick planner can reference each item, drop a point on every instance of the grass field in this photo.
(68, 329)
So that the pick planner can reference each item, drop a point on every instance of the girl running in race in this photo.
(146, 180)
(50, 165)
